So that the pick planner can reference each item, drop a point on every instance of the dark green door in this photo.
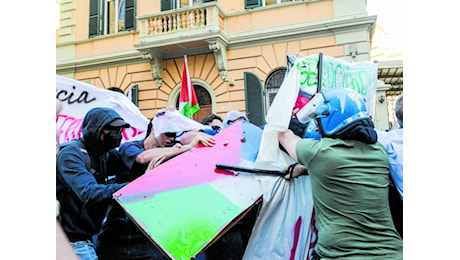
(253, 91)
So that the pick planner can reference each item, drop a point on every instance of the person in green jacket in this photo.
(349, 173)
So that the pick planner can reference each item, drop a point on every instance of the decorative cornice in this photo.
(98, 61)
(147, 55)
(300, 31)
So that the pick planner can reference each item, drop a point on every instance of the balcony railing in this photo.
(202, 16)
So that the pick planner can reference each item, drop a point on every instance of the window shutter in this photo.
(167, 5)
(130, 15)
(94, 18)
(133, 93)
(252, 3)
(254, 99)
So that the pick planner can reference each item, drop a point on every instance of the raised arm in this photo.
(167, 152)
(289, 141)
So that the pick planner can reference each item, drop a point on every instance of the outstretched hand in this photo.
(204, 139)
(155, 162)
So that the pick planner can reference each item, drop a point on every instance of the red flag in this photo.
(188, 103)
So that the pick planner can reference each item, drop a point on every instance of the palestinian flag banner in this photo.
(186, 212)
(188, 103)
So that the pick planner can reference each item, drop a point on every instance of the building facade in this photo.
(236, 50)
(390, 74)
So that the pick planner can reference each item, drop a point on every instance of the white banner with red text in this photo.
(78, 98)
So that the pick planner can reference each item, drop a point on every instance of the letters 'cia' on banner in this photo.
(338, 73)
(185, 204)
(78, 98)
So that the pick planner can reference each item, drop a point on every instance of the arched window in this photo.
(205, 97)
(272, 84)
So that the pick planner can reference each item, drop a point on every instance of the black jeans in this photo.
(231, 245)
(122, 239)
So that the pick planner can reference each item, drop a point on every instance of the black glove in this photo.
(297, 127)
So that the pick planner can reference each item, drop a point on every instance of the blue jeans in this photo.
(85, 250)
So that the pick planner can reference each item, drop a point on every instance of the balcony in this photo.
(186, 31)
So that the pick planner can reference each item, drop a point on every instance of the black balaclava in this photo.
(92, 128)
(113, 138)
(360, 130)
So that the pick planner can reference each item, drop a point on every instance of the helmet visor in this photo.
(310, 110)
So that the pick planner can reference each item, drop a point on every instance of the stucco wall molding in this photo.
(99, 61)
(299, 31)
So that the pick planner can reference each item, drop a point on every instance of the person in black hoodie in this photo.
(120, 238)
(82, 187)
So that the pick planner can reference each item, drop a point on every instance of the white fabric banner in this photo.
(285, 220)
(79, 97)
(284, 228)
(303, 78)
(285, 223)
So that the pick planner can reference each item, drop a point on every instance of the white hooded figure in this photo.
(173, 121)
(232, 117)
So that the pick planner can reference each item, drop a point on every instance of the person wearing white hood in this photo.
(159, 140)
(232, 117)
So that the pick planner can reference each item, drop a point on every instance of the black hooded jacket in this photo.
(81, 177)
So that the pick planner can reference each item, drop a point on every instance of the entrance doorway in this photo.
(204, 101)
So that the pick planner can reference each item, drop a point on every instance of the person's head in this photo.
(102, 129)
(116, 89)
(214, 121)
(399, 110)
(232, 117)
(337, 109)
(166, 139)
(161, 140)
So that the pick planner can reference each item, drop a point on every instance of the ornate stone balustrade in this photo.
(174, 33)
(182, 19)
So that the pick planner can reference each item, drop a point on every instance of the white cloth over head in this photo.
(232, 116)
(174, 122)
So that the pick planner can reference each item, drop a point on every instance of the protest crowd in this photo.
(338, 194)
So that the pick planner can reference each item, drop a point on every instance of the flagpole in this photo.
(189, 87)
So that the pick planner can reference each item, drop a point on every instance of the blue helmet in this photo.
(310, 131)
(340, 108)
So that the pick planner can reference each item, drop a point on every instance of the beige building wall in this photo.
(260, 60)
(291, 14)
(277, 15)
(113, 61)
